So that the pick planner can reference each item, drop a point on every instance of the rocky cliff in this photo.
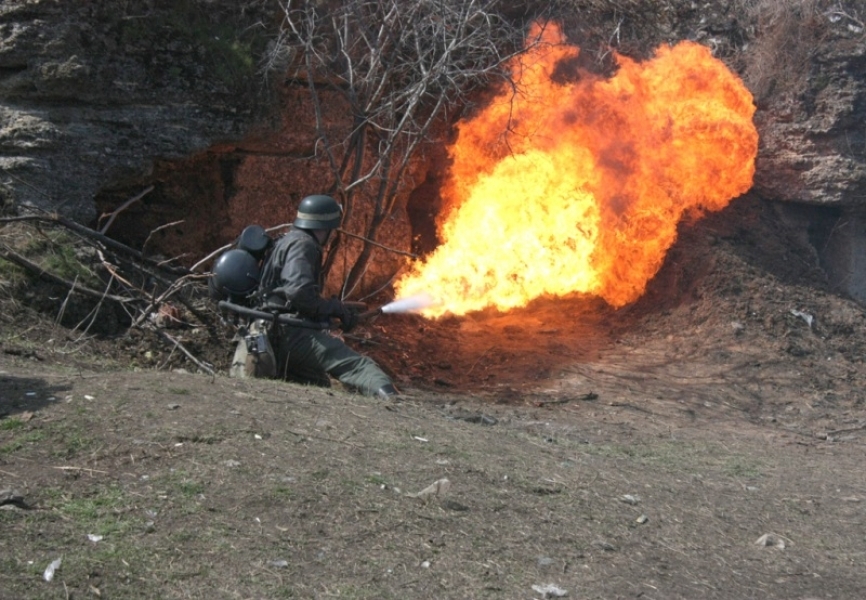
(92, 93)
(811, 97)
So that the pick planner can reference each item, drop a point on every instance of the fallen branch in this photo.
(324, 438)
(847, 430)
(142, 285)
(12, 256)
(155, 303)
(589, 396)
(91, 471)
(204, 367)
(477, 360)
(113, 270)
(87, 232)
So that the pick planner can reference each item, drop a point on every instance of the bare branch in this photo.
(123, 207)
(377, 244)
(399, 65)
(160, 228)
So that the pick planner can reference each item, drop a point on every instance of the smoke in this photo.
(410, 304)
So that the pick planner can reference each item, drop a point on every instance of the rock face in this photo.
(807, 71)
(810, 118)
(91, 93)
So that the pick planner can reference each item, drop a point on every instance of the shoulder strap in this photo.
(270, 272)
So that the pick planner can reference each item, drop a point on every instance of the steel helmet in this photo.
(318, 212)
(236, 273)
(255, 240)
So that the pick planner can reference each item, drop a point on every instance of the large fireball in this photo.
(577, 187)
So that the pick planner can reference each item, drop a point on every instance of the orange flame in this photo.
(563, 188)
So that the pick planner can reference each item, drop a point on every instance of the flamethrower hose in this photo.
(364, 316)
(281, 319)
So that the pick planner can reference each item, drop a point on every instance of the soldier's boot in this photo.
(387, 391)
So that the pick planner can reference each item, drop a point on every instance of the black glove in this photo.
(348, 319)
(330, 308)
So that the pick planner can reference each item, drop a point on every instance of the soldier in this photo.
(291, 281)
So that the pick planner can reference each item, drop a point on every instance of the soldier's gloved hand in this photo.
(348, 319)
(330, 308)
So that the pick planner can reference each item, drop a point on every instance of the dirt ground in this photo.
(706, 442)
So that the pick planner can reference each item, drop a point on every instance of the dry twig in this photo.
(201, 365)
(123, 207)
(400, 67)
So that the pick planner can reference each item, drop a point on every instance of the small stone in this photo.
(550, 591)
(606, 546)
(12, 498)
(771, 539)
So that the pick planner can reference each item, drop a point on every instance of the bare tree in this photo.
(400, 65)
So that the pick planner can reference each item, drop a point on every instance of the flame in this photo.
(578, 187)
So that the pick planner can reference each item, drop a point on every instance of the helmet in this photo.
(318, 212)
(254, 240)
(236, 273)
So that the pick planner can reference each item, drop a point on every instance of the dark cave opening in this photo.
(838, 236)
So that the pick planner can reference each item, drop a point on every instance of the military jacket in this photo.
(294, 276)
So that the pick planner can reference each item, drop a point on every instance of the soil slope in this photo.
(639, 453)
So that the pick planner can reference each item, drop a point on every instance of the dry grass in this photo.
(787, 35)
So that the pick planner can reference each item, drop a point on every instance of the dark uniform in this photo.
(310, 355)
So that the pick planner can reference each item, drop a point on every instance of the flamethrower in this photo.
(411, 304)
(261, 325)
